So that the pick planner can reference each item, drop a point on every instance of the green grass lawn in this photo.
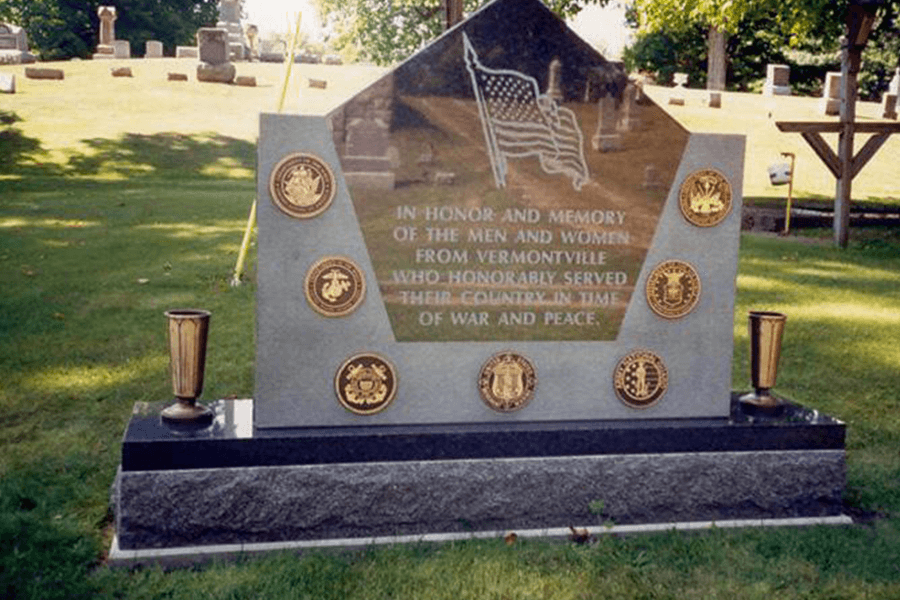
(107, 221)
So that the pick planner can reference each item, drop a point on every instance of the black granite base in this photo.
(231, 484)
(232, 441)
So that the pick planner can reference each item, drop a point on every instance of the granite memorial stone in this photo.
(889, 106)
(471, 319)
(122, 49)
(186, 52)
(213, 45)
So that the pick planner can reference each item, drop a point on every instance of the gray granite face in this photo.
(484, 225)
(213, 45)
(160, 509)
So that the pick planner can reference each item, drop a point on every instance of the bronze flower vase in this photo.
(188, 332)
(766, 330)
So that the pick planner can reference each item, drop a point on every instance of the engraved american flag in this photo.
(519, 122)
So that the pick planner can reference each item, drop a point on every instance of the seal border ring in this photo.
(352, 304)
(391, 395)
(286, 207)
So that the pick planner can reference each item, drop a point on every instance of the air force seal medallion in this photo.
(641, 379)
(705, 198)
(365, 384)
(335, 286)
(673, 289)
(507, 382)
(302, 185)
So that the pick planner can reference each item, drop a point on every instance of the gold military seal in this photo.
(507, 382)
(335, 286)
(705, 198)
(365, 384)
(302, 185)
(641, 379)
(673, 289)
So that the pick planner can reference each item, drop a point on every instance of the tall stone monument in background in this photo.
(106, 47)
(539, 325)
(230, 21)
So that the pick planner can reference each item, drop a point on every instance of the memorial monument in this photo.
(14, 45)
(472, 319)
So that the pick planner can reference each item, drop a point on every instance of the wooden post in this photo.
(850, 60)
(453, 13)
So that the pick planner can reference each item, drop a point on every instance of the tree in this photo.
(773, 26)
(60, 29)
(386, 31)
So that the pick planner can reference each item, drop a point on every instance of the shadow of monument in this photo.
(18, 152)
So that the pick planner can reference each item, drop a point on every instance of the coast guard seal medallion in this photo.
(641, 379)
(335, 286)
(302, 185)
(365, 384)
(673, 289)
(705, 198)
(507, 382)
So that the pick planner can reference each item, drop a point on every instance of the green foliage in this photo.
(387, 31)
(62, 29)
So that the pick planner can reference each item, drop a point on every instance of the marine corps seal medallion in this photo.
(641, 379)
(302, 185)
(507, 382)
(705, 198)
(673, 289)
(365, 384)
(335, 286)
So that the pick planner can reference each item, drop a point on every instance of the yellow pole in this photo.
(251, 218)
(787, 210)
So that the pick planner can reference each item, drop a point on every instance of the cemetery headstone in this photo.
(889, 106)
(177, 77)
(455, 287)
(230, 21)
(14, 45)
(153, 49)
(245, 81)
(778, 81)
(106, 47)
(215, 65)
(831, 94)
(44, 73)
(121, 72)
(715, 100)
(320, 84)
(186, 52)
(122, 49)
(7, 83)
(677, 97)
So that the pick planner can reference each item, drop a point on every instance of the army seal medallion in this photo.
(365, 384)
(507, 382)
(335, 286)
(641, 379)
(673, 289)
(705, 198)
(302, 185)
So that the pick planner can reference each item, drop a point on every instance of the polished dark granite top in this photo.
(232, 441)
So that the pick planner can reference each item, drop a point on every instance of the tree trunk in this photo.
(453, 12)
(715, 70)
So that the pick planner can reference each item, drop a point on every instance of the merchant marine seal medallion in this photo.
(365, 384)
(302, 185)
(507, 382)
(335, 286)
(641, 379)
(673, 289)
(705, 198)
